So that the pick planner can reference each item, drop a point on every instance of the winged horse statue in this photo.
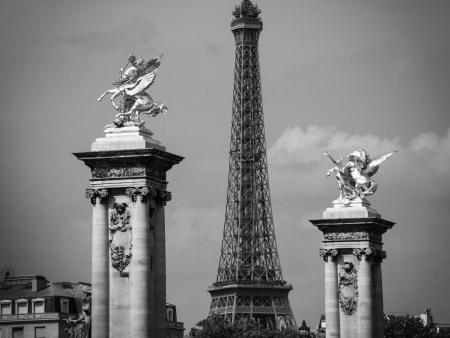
(354, 171)
(135, 78)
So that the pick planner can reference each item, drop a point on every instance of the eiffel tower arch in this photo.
(249, 280)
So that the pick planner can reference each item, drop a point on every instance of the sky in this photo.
(336, 75)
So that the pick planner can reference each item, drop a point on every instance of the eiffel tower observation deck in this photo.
(249, 280)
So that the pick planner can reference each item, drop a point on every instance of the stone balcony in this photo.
(30, 316)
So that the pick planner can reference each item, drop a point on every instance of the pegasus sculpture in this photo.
(135, 78)
(354, 171)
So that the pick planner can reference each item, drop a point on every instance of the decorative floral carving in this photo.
(118, 172)
(370, 253)
(144, 192)
(165, 196)
(345, 236)
(331, 253)
(348, 288)
(102, 195)
(120, 236)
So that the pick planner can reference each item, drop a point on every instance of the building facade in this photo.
(33, 307)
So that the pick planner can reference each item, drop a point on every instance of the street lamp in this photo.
(304, 330)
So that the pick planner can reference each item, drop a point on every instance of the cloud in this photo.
(298, 146)
(437, 150)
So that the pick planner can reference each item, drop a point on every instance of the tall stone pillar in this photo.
(141, 286)
(100, 262)
(378, 297)
(352, 240)
(365, 287)
(331, 293)
(129, 259)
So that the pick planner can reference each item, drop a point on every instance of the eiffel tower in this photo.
(249, 281)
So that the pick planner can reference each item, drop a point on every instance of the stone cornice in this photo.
(118, 158)
(372, 224)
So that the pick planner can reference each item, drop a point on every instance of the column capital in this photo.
(101, 194)
(165, 196)
(144, 191)
(328, 253)
(369, 253)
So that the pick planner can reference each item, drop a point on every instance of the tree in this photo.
(406, 326)
(220, 327)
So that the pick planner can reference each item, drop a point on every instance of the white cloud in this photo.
(300, 146)
(437, 148)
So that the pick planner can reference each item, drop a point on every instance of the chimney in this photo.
(38, 283)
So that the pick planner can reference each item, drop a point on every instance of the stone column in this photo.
(378, 297)
(141, 293)
(100, 262)
(159, 263)
(331, 293)
(365, 315)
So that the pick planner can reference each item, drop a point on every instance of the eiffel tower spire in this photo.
(249, 280)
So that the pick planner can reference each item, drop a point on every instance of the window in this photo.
(39, 332)
(169, 314)
(38, 305)
(5, 307)
(64, 305)
(17, 332)
(21, 306)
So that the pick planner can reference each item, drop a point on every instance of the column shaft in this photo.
(365, 299)
(331, 299)
(378, 301)
(141, 293)
(159, 272)
(100, 271)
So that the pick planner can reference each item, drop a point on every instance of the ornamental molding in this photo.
(330, 253)
(117, 172)
(369, 253)
(345, 236)
(144, 192)
(348, 288)
(133, 170)
(120, 236)
(101, 194)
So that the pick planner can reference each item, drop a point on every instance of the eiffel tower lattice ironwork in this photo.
(249, 281)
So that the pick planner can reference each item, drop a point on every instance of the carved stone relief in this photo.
(331, 253)
(144, 192)
(128, 171)
(101, 194)
(345, 236)
(120, 236)
(117, 172)
(348, 288)
(369, 253)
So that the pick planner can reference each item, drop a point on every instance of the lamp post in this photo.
(304, 330)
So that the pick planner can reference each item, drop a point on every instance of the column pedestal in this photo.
(352, 250)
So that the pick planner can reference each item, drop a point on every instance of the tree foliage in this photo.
(409, 327)
(219, 327)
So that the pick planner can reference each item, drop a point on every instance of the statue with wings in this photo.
(354, 171)
(135, 78)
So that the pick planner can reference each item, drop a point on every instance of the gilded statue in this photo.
(354, 173)
(135, 78)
